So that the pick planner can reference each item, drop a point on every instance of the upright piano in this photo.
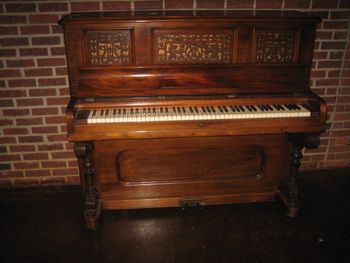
(187, 108)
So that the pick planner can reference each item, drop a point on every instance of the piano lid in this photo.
(241, 15)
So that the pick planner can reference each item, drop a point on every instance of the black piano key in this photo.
(253, 108)
(309, 107)
(225, 108)
(241, 108)
(297, 107)
(82, 115)
(220, 109)
(275, 106)
(232, 108)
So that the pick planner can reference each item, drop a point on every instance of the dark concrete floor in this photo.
(45, 225)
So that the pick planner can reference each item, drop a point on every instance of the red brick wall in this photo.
(34, 92)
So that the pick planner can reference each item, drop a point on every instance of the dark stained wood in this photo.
(157, 81)
(289, 192)
(189, 58)
(168, 164)
(92, 202)
(178, 15)
(248, 164)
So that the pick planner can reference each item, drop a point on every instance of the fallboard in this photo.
(157, 81)
(126, 54)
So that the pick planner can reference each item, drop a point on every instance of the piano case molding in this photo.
(160, 60)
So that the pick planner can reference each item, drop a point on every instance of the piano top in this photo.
(163, 53)
(240, 15)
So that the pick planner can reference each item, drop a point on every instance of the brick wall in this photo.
(34, 92)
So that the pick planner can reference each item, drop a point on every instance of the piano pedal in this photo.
(186, 203)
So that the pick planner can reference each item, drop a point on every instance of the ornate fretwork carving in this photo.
(275, 47)
(194, 48)
(108, 48)
(84, 152)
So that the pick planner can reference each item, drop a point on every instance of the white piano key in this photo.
(90, 117)
(161, 114)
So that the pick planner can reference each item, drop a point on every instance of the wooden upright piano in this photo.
(173, 108)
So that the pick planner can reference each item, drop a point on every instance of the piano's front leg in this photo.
(92, 202)
(289, 192)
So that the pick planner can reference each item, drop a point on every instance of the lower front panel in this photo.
(173, 172)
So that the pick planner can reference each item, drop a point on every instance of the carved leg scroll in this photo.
(92, 202)
(289, 191)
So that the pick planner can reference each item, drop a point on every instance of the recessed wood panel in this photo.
(190, 164)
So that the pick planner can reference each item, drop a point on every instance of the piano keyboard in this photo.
(163, 114)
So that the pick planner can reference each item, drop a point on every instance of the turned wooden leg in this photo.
(92, 202)
(289, 190)
(293, 190)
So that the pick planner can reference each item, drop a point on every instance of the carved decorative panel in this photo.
(193, 47)
(108, 47)
(275, 47)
